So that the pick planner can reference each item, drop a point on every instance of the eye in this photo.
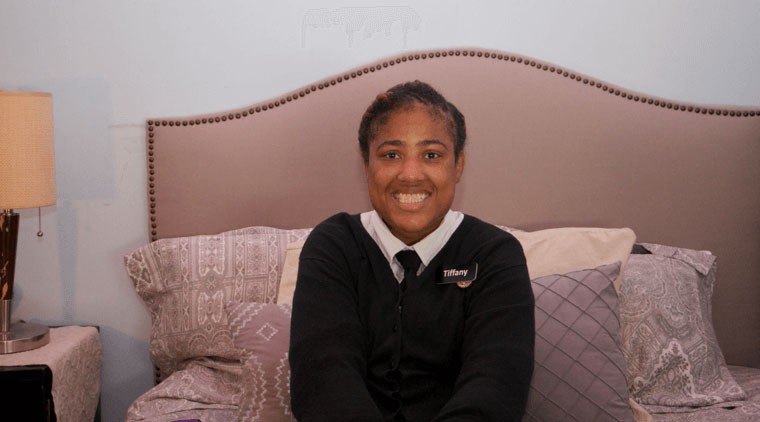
(432, 155)
(393, 155)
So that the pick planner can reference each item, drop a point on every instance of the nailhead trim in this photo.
(585, 80)
(436, 54)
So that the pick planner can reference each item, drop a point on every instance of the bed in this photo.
(649, 207)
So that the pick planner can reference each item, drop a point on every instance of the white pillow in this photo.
(289, 273)
(566, 249)
(551, 251)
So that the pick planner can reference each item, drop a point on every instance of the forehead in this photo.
(414, 121)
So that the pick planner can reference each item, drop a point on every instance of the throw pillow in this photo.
(289, 272)
(673, 359)
(185, 282)
(565, 249)
(579, 371)
(550, 251)
(262, 332)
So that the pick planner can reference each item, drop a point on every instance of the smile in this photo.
(411, 198)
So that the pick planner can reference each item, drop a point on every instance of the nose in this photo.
(411, 170)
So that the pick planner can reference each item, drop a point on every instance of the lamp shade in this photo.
(27, 159)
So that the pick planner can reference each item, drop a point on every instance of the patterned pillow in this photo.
(185, 282)
(672, 355)
(209, 391)
(262, 332)
(579, 370)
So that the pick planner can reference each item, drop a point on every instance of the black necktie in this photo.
(410, 261)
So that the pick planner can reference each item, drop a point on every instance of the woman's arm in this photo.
(327, 357)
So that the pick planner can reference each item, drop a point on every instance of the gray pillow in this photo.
(579, 371)
(673, 358)
(186, 281)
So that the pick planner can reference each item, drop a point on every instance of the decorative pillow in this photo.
(565, 249)
(185, 282)
(673, 359)
(209, 391)
(290, 272)
(579, 370)
(262, 332)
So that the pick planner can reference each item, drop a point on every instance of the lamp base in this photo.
(20, 336)
(23, 336)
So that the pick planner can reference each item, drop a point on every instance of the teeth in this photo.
(407, 198)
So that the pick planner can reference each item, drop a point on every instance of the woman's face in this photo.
(412, 171)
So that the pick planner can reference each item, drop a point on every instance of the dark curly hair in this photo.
(406, 95)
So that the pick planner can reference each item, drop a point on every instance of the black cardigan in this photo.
(465, 353)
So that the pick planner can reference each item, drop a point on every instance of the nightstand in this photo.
(59, 381)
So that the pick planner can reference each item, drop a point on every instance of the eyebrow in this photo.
(398, 142)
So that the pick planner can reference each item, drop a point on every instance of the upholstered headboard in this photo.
(547, 147)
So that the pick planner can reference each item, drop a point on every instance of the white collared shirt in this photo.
(426, 249)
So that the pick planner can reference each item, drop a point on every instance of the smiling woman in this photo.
(422, 342)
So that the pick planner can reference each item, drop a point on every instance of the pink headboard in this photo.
(547, 147)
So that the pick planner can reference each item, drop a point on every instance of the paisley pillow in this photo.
(672, 355)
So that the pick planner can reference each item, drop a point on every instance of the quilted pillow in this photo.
(672, 354)
(262, 332)
(579, 371)
(185, 282)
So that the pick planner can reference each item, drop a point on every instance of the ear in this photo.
(459, 166)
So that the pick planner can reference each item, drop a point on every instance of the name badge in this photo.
(461, 275)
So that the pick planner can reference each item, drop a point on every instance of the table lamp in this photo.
(27, 180)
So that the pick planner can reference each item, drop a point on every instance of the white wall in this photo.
(112, 64)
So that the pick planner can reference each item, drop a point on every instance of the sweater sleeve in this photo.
(327, 358)
(497, 352)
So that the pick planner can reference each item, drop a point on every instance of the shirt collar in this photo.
(427, 248)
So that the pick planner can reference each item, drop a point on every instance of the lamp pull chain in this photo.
(39, 223)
